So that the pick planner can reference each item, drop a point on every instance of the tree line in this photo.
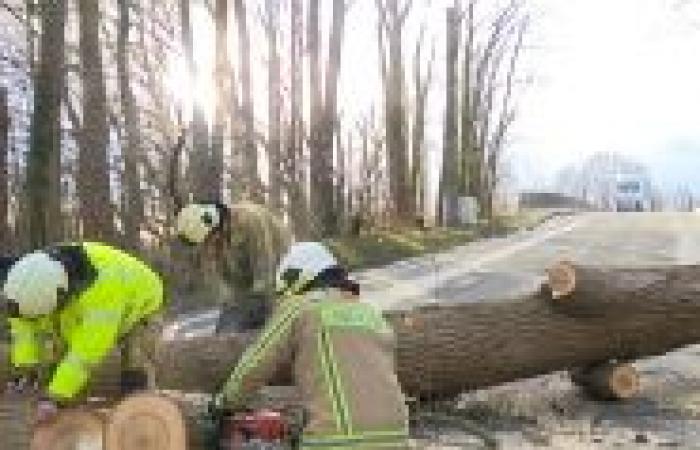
(93, 144)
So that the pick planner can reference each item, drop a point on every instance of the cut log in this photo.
(16, 421)
(443, 350)
(201, 364)
(446, 349)
(610, 381)
(562, 279)
(76, 429)
(598, 291)
(146, 422)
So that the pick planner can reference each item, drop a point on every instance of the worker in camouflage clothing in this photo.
(238, 249)
(69, 306)
(342, 355)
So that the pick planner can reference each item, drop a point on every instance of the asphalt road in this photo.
(498, 268)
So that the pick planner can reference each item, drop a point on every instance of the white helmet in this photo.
(33, 283)
(195, 221)
(309, 258)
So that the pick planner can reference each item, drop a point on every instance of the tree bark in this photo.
(93, 168)
(445, 350)
(316, 165)
(450, 162)
(222, 74)
(466, 180)
(418, 177)
(250, 153)
(392, 20)
(43, 171)
(296, 168)
(274, 105)
(133, 214)
(5, 238)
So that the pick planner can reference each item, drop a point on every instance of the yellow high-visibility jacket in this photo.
(123, 292)
(343, 364)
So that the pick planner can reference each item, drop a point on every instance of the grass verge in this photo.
(382, 247)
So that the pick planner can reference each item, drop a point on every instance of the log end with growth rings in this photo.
(70, 430)
(610, 381)
(146, 421)
(561, 279)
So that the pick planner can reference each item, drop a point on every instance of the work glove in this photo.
(46, 410)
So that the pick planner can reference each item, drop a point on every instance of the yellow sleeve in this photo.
(26, 345)
(90, 343)
(262, 359)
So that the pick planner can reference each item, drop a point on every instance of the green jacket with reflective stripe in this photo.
(343, 364)
(124, 292)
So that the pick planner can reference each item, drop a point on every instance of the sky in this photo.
(612, 75)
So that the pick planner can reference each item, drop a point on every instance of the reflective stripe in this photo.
(22, 335)
(75, 360)
(325, 367)
(289, 312)
(103, 316)
(337, 384)
(375, 439)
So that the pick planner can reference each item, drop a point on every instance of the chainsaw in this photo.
(260, 429)
(274, 424)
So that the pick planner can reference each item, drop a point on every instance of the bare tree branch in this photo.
(13, 11)
(404, 13)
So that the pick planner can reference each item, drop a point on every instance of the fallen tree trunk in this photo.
(608, 381)
(443, 350)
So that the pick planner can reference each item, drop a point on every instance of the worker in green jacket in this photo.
(341, 352)
(82, 298)
(236, 249)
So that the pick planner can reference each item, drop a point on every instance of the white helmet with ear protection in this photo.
(33, 283)
(195, 221)
(308, 259)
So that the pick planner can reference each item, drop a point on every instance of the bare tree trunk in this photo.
(418, 176)
(250, 153)
(317, 165)
(330, 120)
(450, 162)
(274, 102)
(216, 162)
(392, 21)
(467, 175)
(43, 171)
(200, 180)
(340, 211)
(93, 170)
(365, 177)
(507, 116)
(295, 149)
(5, 238)
(133, 215)
(348, 184)
(487, 63)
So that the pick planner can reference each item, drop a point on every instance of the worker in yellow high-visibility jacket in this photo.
(84, 297)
